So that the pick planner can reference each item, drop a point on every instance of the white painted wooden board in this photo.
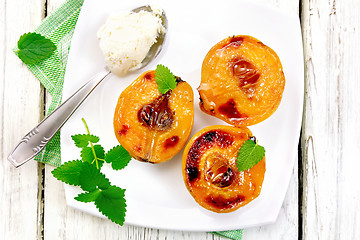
(331, 145)
(20, 105)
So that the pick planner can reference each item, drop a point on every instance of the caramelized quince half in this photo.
(242, 81)
(151, 126)
(210, 171)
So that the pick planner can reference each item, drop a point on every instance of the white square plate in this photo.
(156, 195)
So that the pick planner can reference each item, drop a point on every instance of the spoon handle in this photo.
(33, 142)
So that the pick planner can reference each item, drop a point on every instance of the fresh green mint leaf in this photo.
(118, 157)
(164, 79)
(250, 153)
(90, 178)
(34, 47)
(88, 196)
(69, 172)
(87, 155)
(82, 140)
(111, 202)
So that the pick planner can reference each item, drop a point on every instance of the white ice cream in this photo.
(125, 39)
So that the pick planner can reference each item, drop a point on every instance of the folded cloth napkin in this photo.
(59, 28)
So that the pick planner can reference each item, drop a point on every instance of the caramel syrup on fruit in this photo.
(157, 115)
(218, 172)
(215, 172)
(235, 41)
(245, 72)
(221, 202)
(229, 110)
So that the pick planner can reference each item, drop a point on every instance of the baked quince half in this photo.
(210, 171)
(151, 126)
(242, 81)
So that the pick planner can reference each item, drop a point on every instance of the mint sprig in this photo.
(85, 173)
(33, 47)
(164, 79)
(250, 153)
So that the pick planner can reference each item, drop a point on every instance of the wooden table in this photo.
(322, 201)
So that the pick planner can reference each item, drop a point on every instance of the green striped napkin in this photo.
(59, 28)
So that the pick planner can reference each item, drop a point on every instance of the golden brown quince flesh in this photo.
(242, 81)
(210, 171)
(151, 126)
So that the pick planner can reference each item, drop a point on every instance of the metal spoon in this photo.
(38, 137)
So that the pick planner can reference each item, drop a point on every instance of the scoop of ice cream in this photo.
(126, 38)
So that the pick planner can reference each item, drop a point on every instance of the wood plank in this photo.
(330, 128)
(20, 105)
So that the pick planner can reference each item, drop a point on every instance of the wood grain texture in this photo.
(20, 105)
(331, 193)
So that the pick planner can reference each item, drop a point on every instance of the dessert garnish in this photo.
(164, 79)
(33, 47)
(250, 153)
(85, 173)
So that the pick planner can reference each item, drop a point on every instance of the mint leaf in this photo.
(87, 155)
(118, 157)
(69, 172)
(164, 79)
(88, 196)
(34, 47)
(111, 202)
(250, 153)
(90, 178)
(82, 140)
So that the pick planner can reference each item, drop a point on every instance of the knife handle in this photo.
(36, 140)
